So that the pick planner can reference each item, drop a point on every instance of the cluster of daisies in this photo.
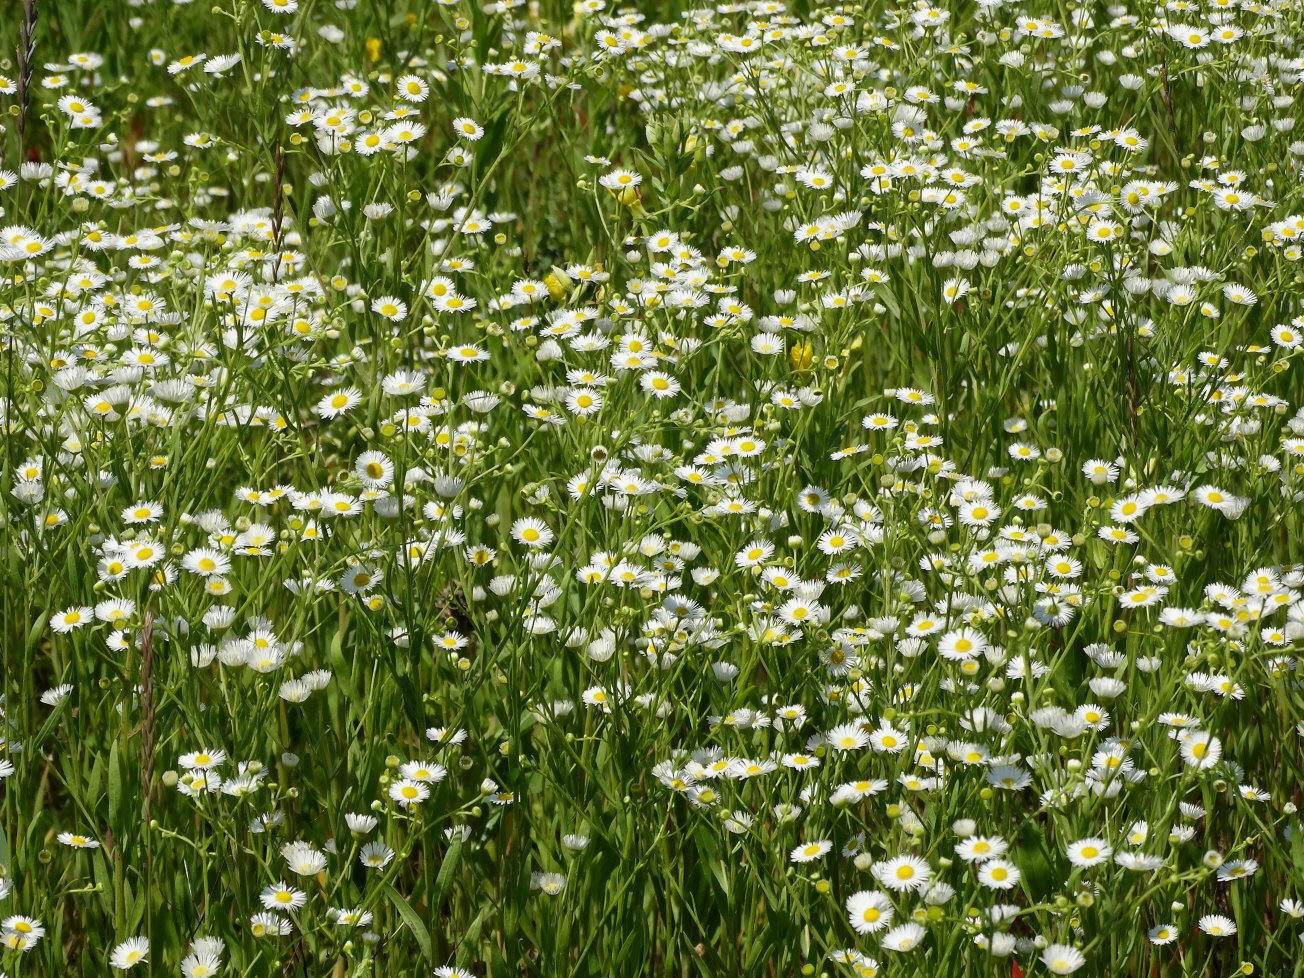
(888, 486)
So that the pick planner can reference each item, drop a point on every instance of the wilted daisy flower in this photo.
(375, 855)
(549, 883)
(904, 937)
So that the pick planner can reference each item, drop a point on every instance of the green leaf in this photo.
(412, 919)
(445, 878)
(491, 143)
(95, 782)
(100, 870)
(138, 902)
(1034, 860)
(889, 300)
(473, 929)
(115, 786)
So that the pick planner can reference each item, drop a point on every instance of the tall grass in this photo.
(521, 489)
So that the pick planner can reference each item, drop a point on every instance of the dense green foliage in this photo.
(765, 489)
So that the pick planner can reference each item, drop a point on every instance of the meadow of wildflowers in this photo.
(762, 489)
